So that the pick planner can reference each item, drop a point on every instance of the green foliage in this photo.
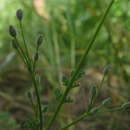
(67, 26)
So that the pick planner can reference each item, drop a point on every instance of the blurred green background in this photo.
(67, 26)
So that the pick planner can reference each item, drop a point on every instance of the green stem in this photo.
(83, 59)
(75, 121)
(99, 90)
(27, 60)
(32, 72)
(34, 62)
(25, 46)
(111, 110)
(20, 54)
(87, 114)
(23, 55)
(38, 100)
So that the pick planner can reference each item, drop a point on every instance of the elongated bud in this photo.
(19, 14)
(95, 110)
(14, 44)
(39, 40)
(106, 101)
(36, 57)
(125, 105)
(12, 31)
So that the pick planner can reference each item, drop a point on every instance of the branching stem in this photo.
(82, 60)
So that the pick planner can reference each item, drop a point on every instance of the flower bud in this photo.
(19, 14)
(12, 31)
(106, 101)
(95, 110)
(125, 105)
(39, 40)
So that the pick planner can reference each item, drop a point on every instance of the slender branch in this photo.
(76, 121)
(38, 99)
(26, 49)
(99, 90)
(34, 63)
(21, 52)
(32, 72)
(83, 116)
(89, 108)
(21, 55)
(83, 59)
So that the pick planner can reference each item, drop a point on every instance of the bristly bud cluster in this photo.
(12, 31)
(19, 14)
(39, 40)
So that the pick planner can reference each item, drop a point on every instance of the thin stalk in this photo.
(25, 46)
(32, 72)
(76, 121)
(83, 116)
(83, 59)
(38, 100)
(111, 110)
(35, 86)
(34, 63)
(99, 90)
(23, 55)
